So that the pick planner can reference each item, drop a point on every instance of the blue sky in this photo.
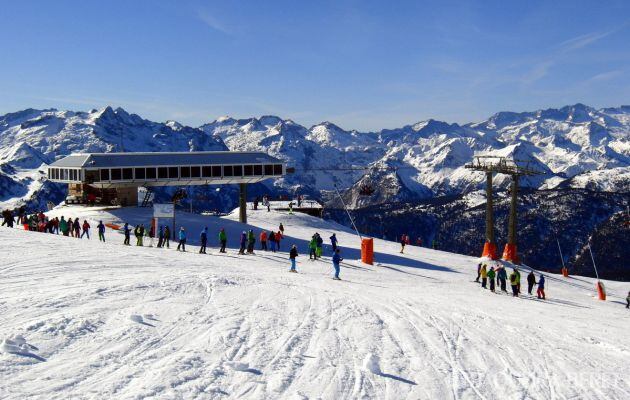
(363, 65)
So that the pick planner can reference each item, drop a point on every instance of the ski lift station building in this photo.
(117, 176)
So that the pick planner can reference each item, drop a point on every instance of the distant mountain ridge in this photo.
(577, 146)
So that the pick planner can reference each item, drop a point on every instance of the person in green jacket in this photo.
(491, 275)
(312, 246)
(251, 241)
(222, 240)
(518, 280)
(63, 226)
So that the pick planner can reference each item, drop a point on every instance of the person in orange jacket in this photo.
(263, 240)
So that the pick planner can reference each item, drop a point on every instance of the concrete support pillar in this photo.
(242, 203)
(509, 253)
(490, 246)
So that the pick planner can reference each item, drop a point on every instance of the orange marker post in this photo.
(367, 250)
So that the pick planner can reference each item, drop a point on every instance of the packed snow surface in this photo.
(83, 319)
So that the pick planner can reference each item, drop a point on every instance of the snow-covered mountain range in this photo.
(577, 146)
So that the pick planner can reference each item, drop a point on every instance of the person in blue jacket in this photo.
(204, 240)
(333, 241)
(541, 287)
(101, 231)
(182, 239)
(336, 259)
(243, 243)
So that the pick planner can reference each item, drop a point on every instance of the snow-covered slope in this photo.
(83, 319)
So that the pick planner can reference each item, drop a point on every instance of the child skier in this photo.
(491, 275)
(101, 231)
(541, 287)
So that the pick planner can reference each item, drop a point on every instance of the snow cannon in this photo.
(601, 291)
(489, 251)
(367, 250)
(509, 253)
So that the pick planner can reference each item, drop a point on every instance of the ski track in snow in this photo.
(110, 321)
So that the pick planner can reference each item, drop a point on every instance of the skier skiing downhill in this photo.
(336, 260)
(203, 238)
(292, 256)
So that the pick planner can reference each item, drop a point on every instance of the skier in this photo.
(243, 242)
(279, 238)
(77, 228)
(70, 226)
(256, 203)
(541, 287)
(167, 236)
(320, 245)
(292, 255)
(333, 241)
(628, 300)
(251, 241)
(151, 235)
(263, 240)
(336, 259)
(222, 240)
(491, 275)
(160, 237)
(531, 281)
(291, 208)
(101, 231)
(514, 282)
(484, 276)
(204, 240)
(127, 232)
(272, 241)
(403, 241)
(281, 230)
(478, 272)
(312, 248)
(518, 280)
(140, 235)
(55, 226)
(502, 278)
(86, 229)
(182, 239)
(63, 226)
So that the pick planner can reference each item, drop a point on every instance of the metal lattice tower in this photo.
(515, 168)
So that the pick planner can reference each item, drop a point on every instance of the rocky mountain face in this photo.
(416, 172)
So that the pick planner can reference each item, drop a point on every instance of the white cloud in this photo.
(213, 22)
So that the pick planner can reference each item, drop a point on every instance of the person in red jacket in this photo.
(86, 229)
(263, 240)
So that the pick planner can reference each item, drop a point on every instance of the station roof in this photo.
(120, 160)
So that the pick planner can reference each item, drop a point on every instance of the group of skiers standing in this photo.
(501, 277)
(405, 240)
(39, 222)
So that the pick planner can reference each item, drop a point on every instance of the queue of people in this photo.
(498, 277)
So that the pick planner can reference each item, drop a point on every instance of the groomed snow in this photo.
(83, 319)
